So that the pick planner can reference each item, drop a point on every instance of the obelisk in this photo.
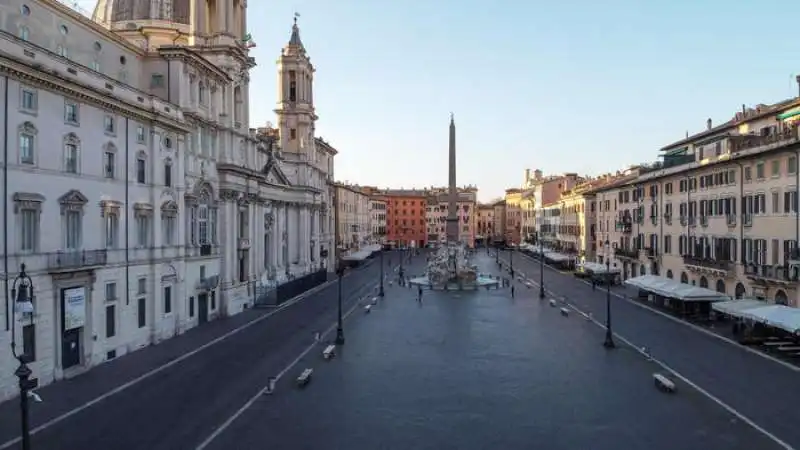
(452, 201)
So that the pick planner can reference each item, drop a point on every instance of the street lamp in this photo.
(541, 267)
(339, 329)
(22, 293)
(609, 341)
(380, 291)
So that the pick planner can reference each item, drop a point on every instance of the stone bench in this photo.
(304, 377)
(663, 383)
(329, 352)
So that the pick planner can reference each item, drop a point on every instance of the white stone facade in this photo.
(135, 187)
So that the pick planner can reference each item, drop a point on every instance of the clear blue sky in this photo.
(574, 85)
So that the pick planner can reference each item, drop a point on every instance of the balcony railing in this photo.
(779, 273)
(626, 253)
(740, 143)
(77, 259)
(690, 260)
(651, 252)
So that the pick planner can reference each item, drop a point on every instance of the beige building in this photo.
(436, 216)
(499, 220)
(719, 211)
(484, 223)
(377, 212)
(513, 213)
(353, 217)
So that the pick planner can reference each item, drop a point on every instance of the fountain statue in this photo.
(450, 269)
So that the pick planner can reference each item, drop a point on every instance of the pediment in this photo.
(73, 197)
(274, 174)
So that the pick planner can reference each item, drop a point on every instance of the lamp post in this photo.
(609, 341)
(22, 293)
(541, 268)
(339, 329)
(380, 290)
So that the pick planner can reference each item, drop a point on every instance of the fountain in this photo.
(449, 269)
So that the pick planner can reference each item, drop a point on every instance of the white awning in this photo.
(598, 268)
(778, 316)
(670, 288)
(735, 308)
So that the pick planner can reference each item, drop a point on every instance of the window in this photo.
(167, 299)
(26, 148)
(24, 33)
(141, 311)
(168, 173)
(776, 167)
(141, 169)
(28, 100)
(201, 93)
(140, 134)
(111, 229)
(109, 164)
(28, 207)
(204, 221)
(63, 30)
(108, 124)
(95, 66)
(141, 286)
(73, 230)
(169, 223)
(191, 306)
(62, 51)
(143, 231)
(111, 321)
(71, 157)
(71, 112)
(156, 80)
(292, 134)
(760, 171)
(111, 292)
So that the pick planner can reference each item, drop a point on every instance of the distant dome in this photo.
(110, 11)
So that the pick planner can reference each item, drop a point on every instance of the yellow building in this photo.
(720, 211)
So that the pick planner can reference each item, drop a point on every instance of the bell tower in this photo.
(295, 108)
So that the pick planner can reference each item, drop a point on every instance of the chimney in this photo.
(708, 124)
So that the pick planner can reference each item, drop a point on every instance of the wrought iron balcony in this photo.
(709, 263)
(746, 142)
(652, 253)
(626, 253)
(77, 259)
(625, 227)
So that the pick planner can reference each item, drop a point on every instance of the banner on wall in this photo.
(74, 308)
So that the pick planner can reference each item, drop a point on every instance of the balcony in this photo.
(652, 253)
(747, 142)
(626, 253)
(707, 263)
(76, 260)
(624, 226)
(771, 274)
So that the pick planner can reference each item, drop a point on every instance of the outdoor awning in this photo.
(598, 268)
(789, 114)
(778, 316)
(670, 288)
(735, 308)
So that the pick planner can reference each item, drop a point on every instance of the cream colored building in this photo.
(513, 213)
(720, 211)
(484, 223)
(353, 217)
(575, 232)
(436, 216)
(377, 207)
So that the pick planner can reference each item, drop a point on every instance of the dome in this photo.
(110, 11)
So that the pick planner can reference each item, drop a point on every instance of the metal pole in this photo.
(23, 372)
(541, 270)
(609, 341)
(339, 329)
(511, 263)
(380, 292)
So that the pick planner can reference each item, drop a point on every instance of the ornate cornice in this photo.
(190, 57)
(19, 70)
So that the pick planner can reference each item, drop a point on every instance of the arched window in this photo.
(740, 290)
(669, 274)
(781, 298)
(71, 153)
(684, 278)
(703, 282)
(721, 286)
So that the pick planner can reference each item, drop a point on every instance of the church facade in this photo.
(136, 193)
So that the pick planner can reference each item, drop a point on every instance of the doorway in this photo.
(71, 348)
(202, 308)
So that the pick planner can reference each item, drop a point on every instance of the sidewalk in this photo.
(103, 380)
